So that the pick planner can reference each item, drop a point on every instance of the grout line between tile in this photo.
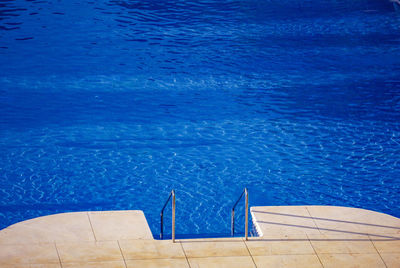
(123, 257)
(244, 241)
(91, 226)
(316, 225)
(187, 260)
(58, 254)
(314, 249)
(377, 251)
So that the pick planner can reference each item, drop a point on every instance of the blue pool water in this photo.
(108, 105)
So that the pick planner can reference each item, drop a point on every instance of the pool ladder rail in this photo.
(246, 220)
(172, 194)
(245, 193)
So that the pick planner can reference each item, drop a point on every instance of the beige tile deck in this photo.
(58, 227)
(287, 261)
(353, 221)
(33, 253)
(351, 260)
(297, 236)
(172, 263)
(284, 220)
(341, 243)
(44, 265)
(116, 225)
(222, 262)
(391, 260)
(104, 264)
(150, 249)
(38, 265)
(195, 248)
(89, 251)
(279, 245)
(386, 243)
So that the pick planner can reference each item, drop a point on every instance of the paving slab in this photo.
(222, 262)
(386, 243)
(351, 260)
(44, 265)
(195, 248)
(392, 260)
(280, 245)
(341, 243)
(37, 265)
(150, 249)
(53, 228)
(165, 263)
(117, 225)
(291, 236)
(103, 264)
(89, 251)
(284, 220)
(28, 254)
(288, 261)
(353, 220)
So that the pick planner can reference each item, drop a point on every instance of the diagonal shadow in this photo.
(325, 219)
(331, 230)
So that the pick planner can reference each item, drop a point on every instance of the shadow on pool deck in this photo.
(291, 236)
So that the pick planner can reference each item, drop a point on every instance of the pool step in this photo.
(245, 193)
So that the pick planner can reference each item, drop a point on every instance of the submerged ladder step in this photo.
(245, 193)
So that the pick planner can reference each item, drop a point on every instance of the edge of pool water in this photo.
(132, 224)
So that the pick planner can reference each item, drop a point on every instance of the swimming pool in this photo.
(109, 105)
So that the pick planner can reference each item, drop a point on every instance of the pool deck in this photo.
(290, 236)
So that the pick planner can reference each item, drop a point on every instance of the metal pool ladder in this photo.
(172, 194)
(246, 222)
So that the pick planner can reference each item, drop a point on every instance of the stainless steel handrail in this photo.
(246, 223)
(172, 194)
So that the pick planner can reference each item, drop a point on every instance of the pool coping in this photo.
(290, 236)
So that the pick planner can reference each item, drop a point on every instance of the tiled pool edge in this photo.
(290, 236)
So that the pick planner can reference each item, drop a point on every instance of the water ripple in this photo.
(101, 100)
